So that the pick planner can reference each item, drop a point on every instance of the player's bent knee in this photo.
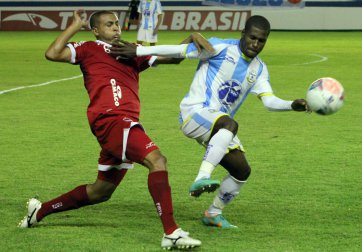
(100, 191)
(102, 198)
(155, 161)
(228, 123)
(160, 163)
(233, 126)
(242, 174)
(103, 195)
(246, 173)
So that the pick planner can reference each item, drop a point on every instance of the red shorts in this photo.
(123, 141)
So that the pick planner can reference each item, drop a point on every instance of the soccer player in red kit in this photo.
(113, 114)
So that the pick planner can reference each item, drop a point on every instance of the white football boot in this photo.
(179, 239)
(29, 220)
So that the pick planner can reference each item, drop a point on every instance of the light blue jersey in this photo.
(223, 81)
(149, 9)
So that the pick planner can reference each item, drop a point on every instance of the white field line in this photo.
(321, 59)
(39, 85)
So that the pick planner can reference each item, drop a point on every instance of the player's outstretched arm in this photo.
(274, 103)
(58, 51)
(178, 51)
(123, 49)
(128, 50)
(200, 43)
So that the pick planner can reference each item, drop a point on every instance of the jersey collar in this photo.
(246, 57)
(102, 42)
(242, 54)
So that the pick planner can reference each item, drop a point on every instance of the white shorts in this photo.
(146, 35)
(200, 125)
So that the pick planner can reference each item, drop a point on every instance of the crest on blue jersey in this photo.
(251, 78)
(229, 92)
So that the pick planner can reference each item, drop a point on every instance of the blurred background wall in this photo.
(190, 15)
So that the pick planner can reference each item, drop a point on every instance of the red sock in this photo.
(160, 191)
(74, 199)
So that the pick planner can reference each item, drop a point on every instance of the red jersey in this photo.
(112, 84)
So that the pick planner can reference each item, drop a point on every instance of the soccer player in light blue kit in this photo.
(150, 20)
(221, 83)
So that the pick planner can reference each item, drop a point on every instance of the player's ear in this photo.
(95, 31)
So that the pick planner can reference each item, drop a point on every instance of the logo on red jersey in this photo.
(106, 48)
(150, 144)
(75, 45)
(117, 92)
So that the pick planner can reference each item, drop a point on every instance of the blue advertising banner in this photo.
(256, 3)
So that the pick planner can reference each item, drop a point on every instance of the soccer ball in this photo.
(325, 96)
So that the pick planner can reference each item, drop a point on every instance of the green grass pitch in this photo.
(304, 193)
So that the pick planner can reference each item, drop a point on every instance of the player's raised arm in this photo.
(58, 51)
(200, 42)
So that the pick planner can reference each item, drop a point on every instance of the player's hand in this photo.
(300, 105)
(123, 49)
(201, 43)
(80, 19)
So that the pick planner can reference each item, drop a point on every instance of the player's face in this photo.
(253, 41)
(107, 29)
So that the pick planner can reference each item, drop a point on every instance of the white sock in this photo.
(205, 170)
(229, 189)
(215, 151)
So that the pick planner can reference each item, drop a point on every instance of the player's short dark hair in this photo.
(93, 21)
(259, 22)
